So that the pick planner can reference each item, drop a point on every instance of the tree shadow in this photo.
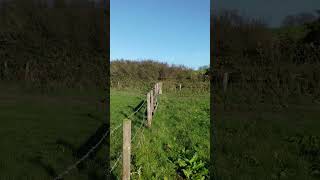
(91, 116)
(91, 142)
(90, 165)
(46, 167)
(140, 116)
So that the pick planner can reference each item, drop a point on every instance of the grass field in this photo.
(42, 134)
(268, 143)
(177, 143)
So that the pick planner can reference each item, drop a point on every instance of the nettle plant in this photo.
(189, 165)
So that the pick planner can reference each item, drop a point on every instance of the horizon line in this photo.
(160, 61)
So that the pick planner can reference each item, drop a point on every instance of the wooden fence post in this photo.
(160, 89)
(152, 101)
(180, 87)
(158, 85)
(149, 112)
(225, 81)
(156, 89)
(126, 148)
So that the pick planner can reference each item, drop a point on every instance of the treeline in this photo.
(54, 43)
(265, 62)
(143, 74)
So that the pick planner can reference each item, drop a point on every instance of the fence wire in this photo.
(142, 122)
(71, 167)
(119, 157)
(86, 155)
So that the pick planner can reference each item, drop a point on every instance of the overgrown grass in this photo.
(122, 104)
(177, 144)
(42, 134)
(265, 142)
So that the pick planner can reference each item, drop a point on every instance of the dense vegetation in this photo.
(143, 74)
(266, 125)
(54, 45)
(266, 63)
(155, 155)
(169, 149)
(59, 49)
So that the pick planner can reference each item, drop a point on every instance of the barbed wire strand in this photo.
(117, 161)
(144, 117)
(115, 164)
(142, 122)
(94, 147)
(86, 155)
(137, 109)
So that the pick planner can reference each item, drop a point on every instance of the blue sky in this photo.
(172, 31)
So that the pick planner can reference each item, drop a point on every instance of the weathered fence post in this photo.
(225, 81)
(126, 148)
(156, 89)
(160, 89)
(152, 101)
(149, 112)
(180, 86)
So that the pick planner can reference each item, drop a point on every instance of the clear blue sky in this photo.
(172, 31)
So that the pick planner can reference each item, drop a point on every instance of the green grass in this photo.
(180, 122)
(121, 105)
(266, 143)
(40, 132)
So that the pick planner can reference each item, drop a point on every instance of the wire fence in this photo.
(74, 165)
(149, 100)
(150, 109)
(141, 125)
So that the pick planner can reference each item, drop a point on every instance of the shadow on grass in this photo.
(91, 165)
(92, 116)
(46, 167)
(140, 116)
(91, 142)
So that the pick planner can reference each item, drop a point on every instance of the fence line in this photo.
(118, 158)
(115, 164)
(60, 176)
(152, 104)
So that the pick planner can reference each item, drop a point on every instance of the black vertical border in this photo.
(213, 139)
(107, 49)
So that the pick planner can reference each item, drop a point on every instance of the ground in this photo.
(180, 131)
(268, 143)
(42, 134)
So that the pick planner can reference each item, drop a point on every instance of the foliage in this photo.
(270, 63)
(266, 143)
(309, 147)
(64, 45)
(153, 147)
(143, 74)
(189, 165)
